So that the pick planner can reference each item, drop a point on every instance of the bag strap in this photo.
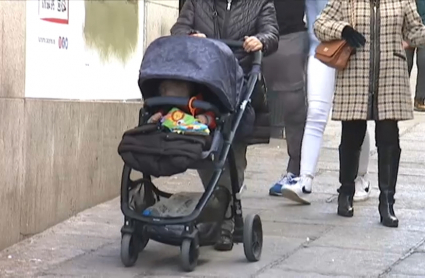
(353, 13)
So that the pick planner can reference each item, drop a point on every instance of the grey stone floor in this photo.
(300, 241)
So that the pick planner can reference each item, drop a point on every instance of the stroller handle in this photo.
(180, 101)
(258, 55)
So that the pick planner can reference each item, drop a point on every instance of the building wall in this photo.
(160, 15)
(57, 156)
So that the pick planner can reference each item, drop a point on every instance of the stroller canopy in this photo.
(203, 61)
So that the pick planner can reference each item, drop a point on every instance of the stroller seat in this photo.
(159, 153)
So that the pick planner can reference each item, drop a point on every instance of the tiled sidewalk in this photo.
(300, 241)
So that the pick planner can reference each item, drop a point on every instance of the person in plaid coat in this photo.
(374, 86)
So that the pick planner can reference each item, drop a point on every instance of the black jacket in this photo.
(290, 16)
(245, 18)
(233, 20)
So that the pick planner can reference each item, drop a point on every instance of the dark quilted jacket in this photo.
(233, 20)
(245, 18)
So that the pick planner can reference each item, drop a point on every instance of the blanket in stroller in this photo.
(179, 122)
(159, 153)
(180, 204)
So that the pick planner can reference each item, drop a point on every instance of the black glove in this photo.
(352, 37)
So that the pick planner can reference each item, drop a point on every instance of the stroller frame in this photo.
(249, 232)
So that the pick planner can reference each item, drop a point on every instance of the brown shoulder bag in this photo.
(336, 54)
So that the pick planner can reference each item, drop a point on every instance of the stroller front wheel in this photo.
(253, 237)
(130, 247)
(189, 254)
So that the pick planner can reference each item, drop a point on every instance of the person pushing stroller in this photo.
(253, 22)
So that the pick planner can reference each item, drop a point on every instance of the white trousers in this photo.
(320, 92)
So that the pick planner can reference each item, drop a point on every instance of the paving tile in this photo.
(158, 259)
(412, 265)
(278, 273)
(421, 248)
(339, 261)
(379, 239)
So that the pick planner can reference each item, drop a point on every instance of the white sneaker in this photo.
(276, 189)
(306, 183)
(298, 191)
(363, 189)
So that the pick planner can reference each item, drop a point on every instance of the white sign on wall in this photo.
(86, 50)
(54, 11)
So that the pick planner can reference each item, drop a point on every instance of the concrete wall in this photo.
(57, 157)
(160, 15)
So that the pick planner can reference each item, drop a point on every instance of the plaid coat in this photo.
(375, 85)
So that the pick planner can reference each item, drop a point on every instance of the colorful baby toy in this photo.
(179, 122)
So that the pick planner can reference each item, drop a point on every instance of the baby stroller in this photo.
(154, 152)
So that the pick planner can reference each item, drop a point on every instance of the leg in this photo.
(363, 187)
(364, 155)
(225, 242)
(320, 92)
(295, 103)
(320, 88)
(353, 133)
(289, 66)
(388, 144)
(295, 112)
(420, 84)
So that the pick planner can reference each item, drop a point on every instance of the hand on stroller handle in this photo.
(258, 55)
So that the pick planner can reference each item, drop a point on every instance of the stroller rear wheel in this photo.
(130, 248)
(253, 237)
(189, 254)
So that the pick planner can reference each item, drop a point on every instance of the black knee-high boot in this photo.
(388, 164)
(348, 168)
